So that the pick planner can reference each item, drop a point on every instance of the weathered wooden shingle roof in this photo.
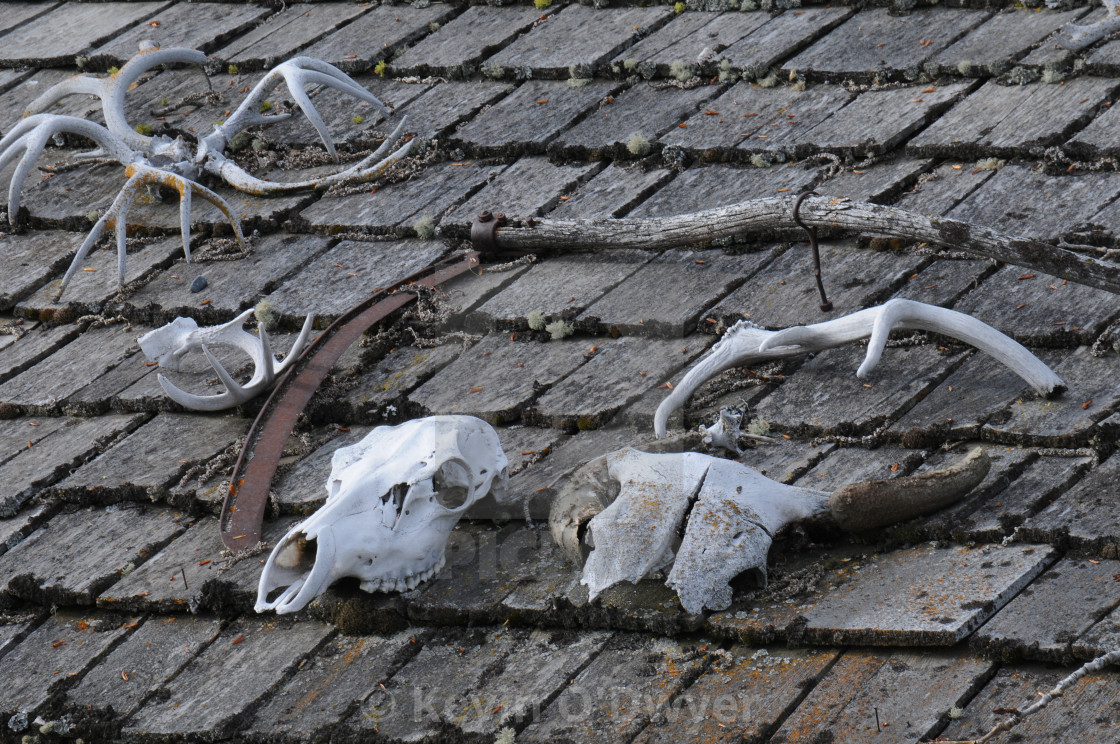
(125, 620)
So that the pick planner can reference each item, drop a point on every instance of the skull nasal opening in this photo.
(396, 495)
(296, 559)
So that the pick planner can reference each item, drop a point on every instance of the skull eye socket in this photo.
(451, 485)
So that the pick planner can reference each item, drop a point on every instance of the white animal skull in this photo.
(629, 507)
(393, 499)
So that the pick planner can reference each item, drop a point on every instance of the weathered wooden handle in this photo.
(776, 213)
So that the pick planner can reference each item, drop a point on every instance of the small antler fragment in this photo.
(168, 344)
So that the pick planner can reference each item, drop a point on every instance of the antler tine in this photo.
(76, 85)
(268, 360)
(185, 221)
(208, 403)
(117, 211)
(299, 345)
(233, 387)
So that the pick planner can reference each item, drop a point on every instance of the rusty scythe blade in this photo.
(245, 501)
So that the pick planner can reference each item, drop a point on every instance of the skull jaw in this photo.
(302, 567)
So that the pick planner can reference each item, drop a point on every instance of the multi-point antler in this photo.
(297, 74)
(168, 344)
(30, 136)
(161, 160)
(141, 176)
(746, 344)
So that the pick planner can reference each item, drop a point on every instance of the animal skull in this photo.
(393, 499)
(629, 506)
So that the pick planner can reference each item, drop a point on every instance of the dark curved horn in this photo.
(870, 504)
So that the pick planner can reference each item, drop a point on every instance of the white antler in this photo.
(297, 74)
(111, 90)
(141, 176)
(746, 344)
(1077, 36)
(168, 344)
(29, 137)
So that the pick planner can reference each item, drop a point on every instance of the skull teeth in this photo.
(405, 583)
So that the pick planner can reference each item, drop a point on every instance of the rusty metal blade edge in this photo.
(245, 501)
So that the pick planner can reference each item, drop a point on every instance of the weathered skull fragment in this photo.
(392, 501)
(628, 508)
(168, 344)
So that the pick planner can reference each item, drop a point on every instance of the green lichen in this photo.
(266, 106)
(232, 69)
(380, 68)
(492, 70)
(266, 315)
(113, 70)
(578, 75)
(638, 145)
(425, 227)
(678, 8)
(1052, 76)
(681, 70)
(769, 81)
(536, 320)
(726, 74)
(144, 129)
(560, 329)
(357, 118)
(240, 141)
(541, 4)
(760, 161)
(758, 427)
